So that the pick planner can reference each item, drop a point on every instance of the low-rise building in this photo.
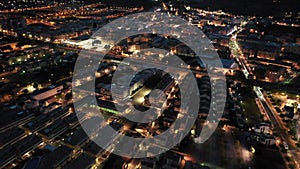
(274, 74)
(77, 139)
(83, 161)
(57, 158)
(262, 128)
(10, 136)
(267, 140)
(292, 48)
(46, 93)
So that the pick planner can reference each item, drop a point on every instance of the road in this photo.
(282, 131)
(238, 54)
(267, 105)
(278, 125)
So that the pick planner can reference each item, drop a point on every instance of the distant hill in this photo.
(147, 4)
(250, 7)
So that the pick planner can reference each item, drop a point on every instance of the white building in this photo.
(262, 128)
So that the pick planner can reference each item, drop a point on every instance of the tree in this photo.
(25, 91)
(21, 104)
(68, 96)
(65, 86)
(35, 85)
(7, 47)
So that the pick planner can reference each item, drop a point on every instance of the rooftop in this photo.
(83, 161)
(53, 159)
(77, 138)
(10, 135)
